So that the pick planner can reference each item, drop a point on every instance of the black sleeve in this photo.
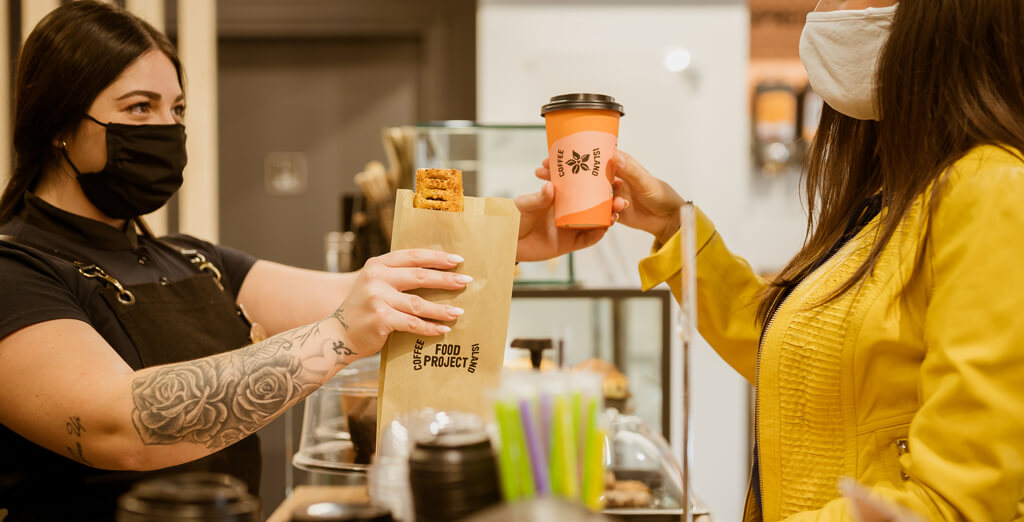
(233, 264)
(32, 292)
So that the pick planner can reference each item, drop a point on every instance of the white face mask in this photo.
(840, 50)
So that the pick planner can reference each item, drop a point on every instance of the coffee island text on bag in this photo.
(453, 372)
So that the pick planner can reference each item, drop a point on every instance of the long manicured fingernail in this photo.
(443, 329)
(455, 258)
(463, 278)
(456, 311)
(620, 160)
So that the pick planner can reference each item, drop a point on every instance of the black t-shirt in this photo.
(36, 288)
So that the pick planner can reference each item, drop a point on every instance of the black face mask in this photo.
(143, 170)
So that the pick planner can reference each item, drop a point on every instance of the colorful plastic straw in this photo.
(593, 460)
(551, 442)
(564, 450)
(506, 459)
(535, 447)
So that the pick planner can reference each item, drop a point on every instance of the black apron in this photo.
(168, 322)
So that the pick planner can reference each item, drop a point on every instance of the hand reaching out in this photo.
(653, 205)
(539, 239)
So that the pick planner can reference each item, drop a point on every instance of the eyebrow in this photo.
(149, 94)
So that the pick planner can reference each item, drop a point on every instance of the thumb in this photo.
(537, 200)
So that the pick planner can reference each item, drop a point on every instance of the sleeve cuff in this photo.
(665, 260)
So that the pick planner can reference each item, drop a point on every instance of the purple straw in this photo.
(546, 408)
(536, 449)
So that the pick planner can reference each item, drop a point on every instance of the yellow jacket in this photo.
(912, 385)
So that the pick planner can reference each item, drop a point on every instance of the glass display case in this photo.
(629, 328)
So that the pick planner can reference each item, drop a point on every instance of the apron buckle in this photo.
(202, 264)
(124, 296)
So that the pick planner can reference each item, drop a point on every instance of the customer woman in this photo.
(891, 348)
(122, 353)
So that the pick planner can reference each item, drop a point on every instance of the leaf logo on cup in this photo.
(578, 162)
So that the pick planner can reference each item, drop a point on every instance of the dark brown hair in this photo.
(71, 56)
(950, 78)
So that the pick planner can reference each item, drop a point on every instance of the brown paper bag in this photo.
(452, 372)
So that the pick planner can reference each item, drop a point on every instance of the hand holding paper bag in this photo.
(377, 304)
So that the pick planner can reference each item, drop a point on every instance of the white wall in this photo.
(691, 129)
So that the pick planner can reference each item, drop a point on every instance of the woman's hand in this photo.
(539, 238)
(377, 304)
(652, 205)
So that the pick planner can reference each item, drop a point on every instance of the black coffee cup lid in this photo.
(191, 495)
(582, 101)
(458, 440)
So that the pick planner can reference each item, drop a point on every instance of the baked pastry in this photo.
(628, 494)
(439, 189)
(614, 384)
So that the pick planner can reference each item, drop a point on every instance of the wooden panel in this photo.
(775, 27)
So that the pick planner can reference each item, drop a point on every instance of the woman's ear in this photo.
(61, 141)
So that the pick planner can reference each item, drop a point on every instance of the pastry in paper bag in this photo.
(453, 371)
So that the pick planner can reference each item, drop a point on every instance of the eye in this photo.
(179, 111)
(139, 108)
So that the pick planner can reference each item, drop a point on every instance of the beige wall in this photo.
(152, 11)
(197, 45)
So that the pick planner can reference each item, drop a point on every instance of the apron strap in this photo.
(197, 258)
(85, 268)
(256, 331)
(126, 297)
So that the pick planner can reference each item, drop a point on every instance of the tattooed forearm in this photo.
(308, 331)
(339, 314)
(216, 401)
(340, 348)
(75, 428)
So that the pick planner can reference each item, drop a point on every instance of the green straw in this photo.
(555, 460)
(593, 463)
(578, 433)
(509, 484)
(519, 454)
(563, 451)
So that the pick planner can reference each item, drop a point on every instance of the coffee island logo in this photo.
(578, 163)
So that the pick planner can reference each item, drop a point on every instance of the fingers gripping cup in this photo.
(583, 136)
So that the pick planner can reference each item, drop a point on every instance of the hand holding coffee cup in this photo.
(642, 201)
(653, 205)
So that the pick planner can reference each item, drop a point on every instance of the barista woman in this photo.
(122, 353)
(889, 349)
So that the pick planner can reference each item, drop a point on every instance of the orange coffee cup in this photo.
(583, 137)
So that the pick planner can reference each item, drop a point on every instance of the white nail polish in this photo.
(463, 278)
(443, 329)
(454, 310)
(455, 258)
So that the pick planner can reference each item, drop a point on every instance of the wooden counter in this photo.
(309, 494)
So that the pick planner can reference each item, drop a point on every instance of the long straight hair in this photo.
(950, 78)
(69, 58)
